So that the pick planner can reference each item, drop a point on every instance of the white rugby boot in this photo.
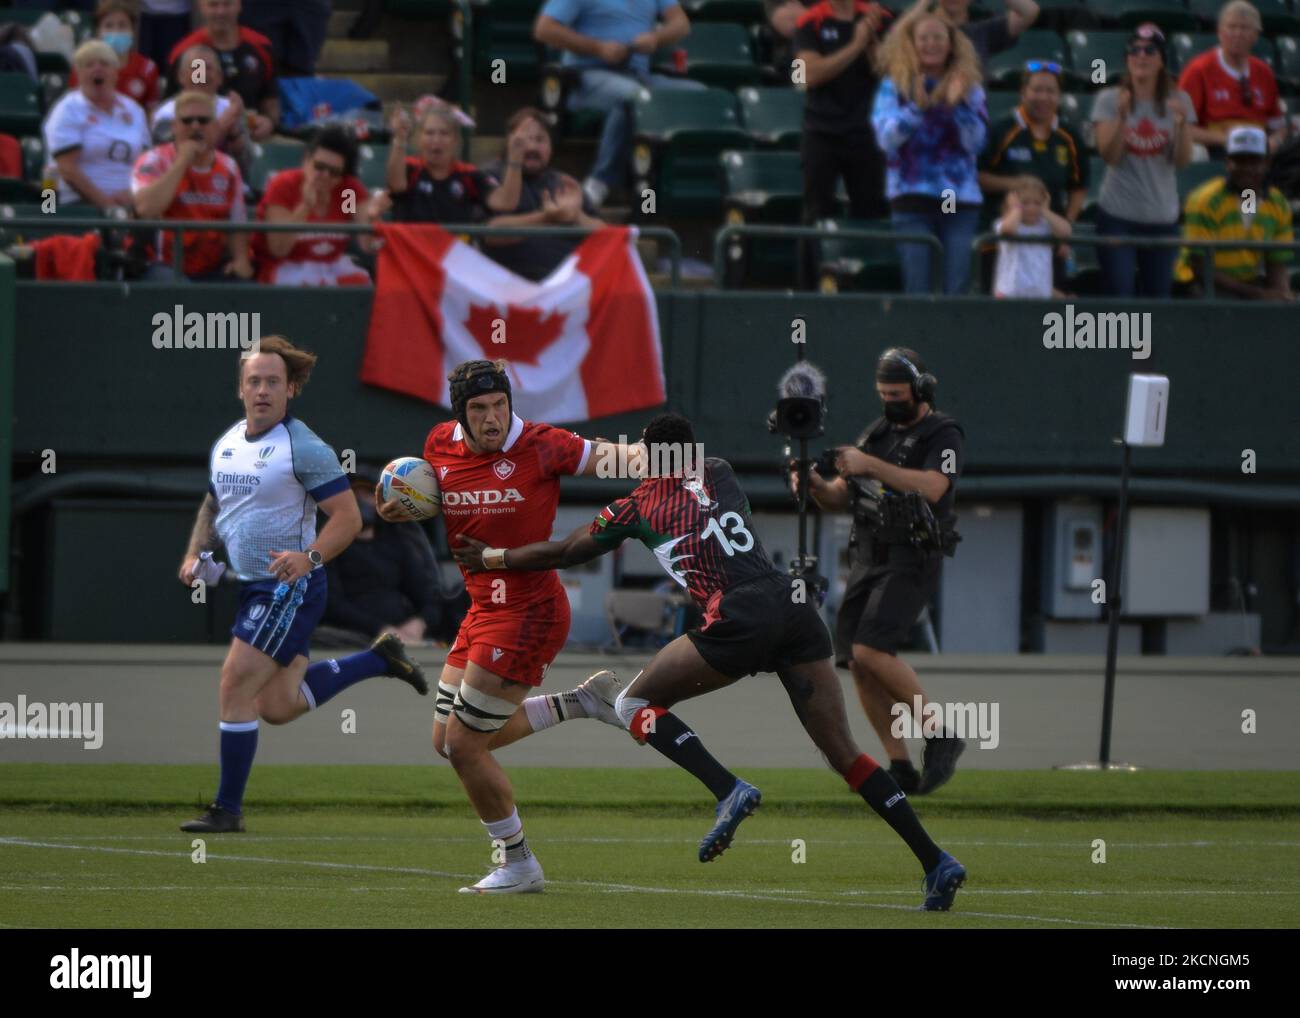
(598, 694)
(523, 877)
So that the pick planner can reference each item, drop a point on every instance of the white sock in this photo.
(546, 711)
(510, 832)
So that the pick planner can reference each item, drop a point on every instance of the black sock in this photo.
(683, 747)
(902, 765)
(873, 783)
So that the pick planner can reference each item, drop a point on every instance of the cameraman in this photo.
(893, 574)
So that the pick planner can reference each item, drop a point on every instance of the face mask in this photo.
(120, 41)
(900, 411)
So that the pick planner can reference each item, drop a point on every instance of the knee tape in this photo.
(442, 702)
(481, 711)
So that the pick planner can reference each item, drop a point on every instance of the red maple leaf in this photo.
(519, 335)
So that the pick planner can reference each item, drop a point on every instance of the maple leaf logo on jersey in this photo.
(523, 333)
(503, 468)
(442, 473)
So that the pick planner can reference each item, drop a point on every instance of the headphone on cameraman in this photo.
(923, 384)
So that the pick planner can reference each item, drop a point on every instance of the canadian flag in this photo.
(582, 343)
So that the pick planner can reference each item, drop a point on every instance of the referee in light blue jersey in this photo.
(269, 472)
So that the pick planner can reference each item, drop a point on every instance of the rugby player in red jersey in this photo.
(500, 482)
(756, 619)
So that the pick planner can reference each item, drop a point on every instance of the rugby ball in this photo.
(411, 481)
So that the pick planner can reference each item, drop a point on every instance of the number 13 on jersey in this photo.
(740, 539)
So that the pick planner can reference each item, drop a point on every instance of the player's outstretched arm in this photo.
(203, 537)
(575, 549)
(613, 459)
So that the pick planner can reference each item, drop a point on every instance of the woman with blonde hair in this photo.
(94, 134)
(930, 120)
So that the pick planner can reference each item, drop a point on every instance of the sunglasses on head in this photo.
(333, 171)
(190, 121)
(1050, 66)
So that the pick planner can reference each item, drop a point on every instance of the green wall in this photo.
(91, 385)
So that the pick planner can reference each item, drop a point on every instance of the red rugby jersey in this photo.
(505, 499)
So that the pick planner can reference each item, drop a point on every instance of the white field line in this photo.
(791, 897)
(562, 840)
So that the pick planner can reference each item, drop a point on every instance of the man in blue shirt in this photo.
(612, 42)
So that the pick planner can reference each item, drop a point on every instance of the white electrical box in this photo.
(1148, 406)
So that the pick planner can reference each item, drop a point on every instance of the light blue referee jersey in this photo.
(267, 489)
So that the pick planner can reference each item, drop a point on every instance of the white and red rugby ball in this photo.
(411, 481)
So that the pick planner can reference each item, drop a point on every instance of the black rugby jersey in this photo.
(699, 529)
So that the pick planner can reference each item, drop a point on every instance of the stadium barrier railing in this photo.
(984, 241)
(66, 224)
(735, 231)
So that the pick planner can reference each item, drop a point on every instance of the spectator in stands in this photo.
(611, 42)
(247, 66)
(94, 133)
(434, 186)
(296, 28)
(533, 194)
(385, 581)
(11, 156)
(189, 179)
(200, 70)
(1228, 86)
(137, 75)
(993, 35)
(1142, 134)
(1025, 270)
(163, 23)
(836, 41)
(1220, 210)
(930, 120)
(783, 17)
(325, 189)
(1034, 139)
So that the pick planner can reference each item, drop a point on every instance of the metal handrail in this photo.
(724, 235)
(177, 226)
(1206, 247)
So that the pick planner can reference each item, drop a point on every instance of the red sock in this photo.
(643, 722)
(863, 767)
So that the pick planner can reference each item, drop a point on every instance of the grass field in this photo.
(97, 845)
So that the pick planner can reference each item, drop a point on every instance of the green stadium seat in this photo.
(14, 190)
(33, 158)
(270, 157)
(1288, 63)
(773, 116)
(503, 30)
(1001, 104)
(1087, 47)
(678, 137)
(1193, 175)
(764, 187)
(20, 104)
(716, 54)
(372, 165)
(742, 12)
(1096, 171)
(848, 263)
(1004, 68)
(1171, 15)
(1279, 16)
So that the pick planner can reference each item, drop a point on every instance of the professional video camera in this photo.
(799, 415)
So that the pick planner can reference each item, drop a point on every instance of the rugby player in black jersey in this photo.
(756, 619)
